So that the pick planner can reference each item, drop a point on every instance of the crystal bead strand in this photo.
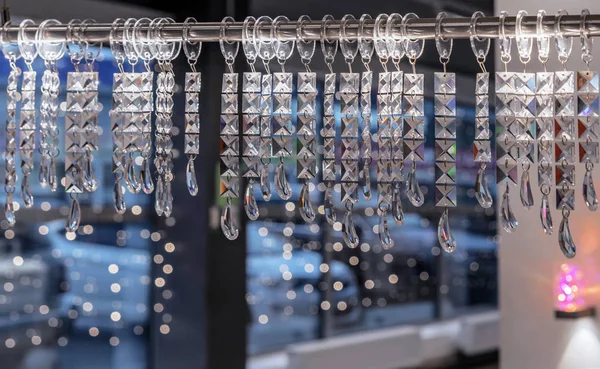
(444, 89)
(306, 121)
(283, 129)
(366, 49)
(27, 133)
(10, 173)
(230, 167)
(193, 86)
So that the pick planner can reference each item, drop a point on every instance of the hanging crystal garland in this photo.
(366, 49)
(481, 144)
(230, 144)
(193, 86)
(306, 123)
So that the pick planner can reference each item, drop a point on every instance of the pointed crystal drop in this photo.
(306, 209)
(159, 206)
(265, 182)
(227, 226)
(89, 179)
(482, 192)
(565, 241)
(413, 190)
(52, 180)
(190, 178)
(367, 184)
(250, 205)
(282, 186)
(589, 191)
(507, 217)
(445, 237)
(546, 215)
(330, 215)
(397, 211)
(119, 197)
(74, 216)
(26, 192)
(131, 180)
(384, 231)
(526, 194)
(146, 177)
(167, 199)
(9, 210)
(43, 174)
(349, 230)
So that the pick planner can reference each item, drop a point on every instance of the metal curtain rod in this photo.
(424, 28)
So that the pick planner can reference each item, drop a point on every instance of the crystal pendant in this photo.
(265, 182)
(397, 212)
(250, 205)
(167, 199)
(589, 191)
(26, 192)
(526, 194)
(43, 174)
(119, 197)
(348, 229)
(131, 180)
(9, 210)
(546, 215)
(89, 179)
(306, 209)
(507, 217)
(146, 176)
(282, 186)
(565, 241)
(482, 192)
(74, 216)
(330, 215)
(190, 178)
(384, 231)
(52, 180)
(413, 190)
(159, 196)
(227, 226)
(445, 237)
(367, 185)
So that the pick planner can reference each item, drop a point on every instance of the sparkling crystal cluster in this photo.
(266, 108)
(163, 161)
(10, 172)
(306, 123)
(481, 145)
(349, 99)
(366, 146)
(588, 116)
(388, 136)
(193, 85)
(251, 108)
(545, 130)
(507, 130)
(283, 128)
(328, 130)
(27, 127)
(445, 138)
(48, 127)
(565, 139)
(229, 142)
(414, 117)
(81, 130)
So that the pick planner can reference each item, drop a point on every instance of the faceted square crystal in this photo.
(328, 129)
(82, 81)
(413, 83)
(385, 83)
(444, 83)
(482, 151)
(193, 82)
(229, 125)
(266, 84)
(251, 167)
(545, 105)
(414, 105)
(564, 151)
(365, 104)
(251, 82)
(588, 105)
(383, 104)
(282, 104)
(282, 83)
(482, 106)
(545, 83)
(328, 105)
(307, 103)
(588, 151)
(482, 84)
(329, 83)
(506, 170)
(482, 129)
(445, 128)
(13, 97)
(564, 82)
(349, 83)
(384, 127)
(251, 125)
(192, 123)
(306, 168)
(82, 101)
(306, 126)
(265, 127)
(250, 103)
(230, 187)
(445, 150)
(445, 173)
(524, 83)
(505, 83)
(13, 80)
(349, 104)
(266, 105)
(329, 148)
(230, 83)
(28, 83)
(524, 106)
(587, 82)
(503, 105)
(328, 170)
(397, 82)
(282, 125)
(366, 81)
(588, 128)
(349, 127)
(192, 102)
(564, 105)
(229, 103)
(414, 150)
(444, 105)
(307, 82)
(445, 196)
(565, 198)
(266, 147)
(251, 146)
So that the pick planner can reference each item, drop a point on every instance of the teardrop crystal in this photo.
(384, 231)
(265, 182)
(330, 215)
(52, 179)
(546, 215)
(250, 205)
(565, 241)
(9, 210)
(482, 192)
(43, 173)
(131, 180)
(74, 216)
(349, 230)
(26, 194)
(507, 217)
(227, 225)
(167, 199)
(282, 186)
(159, 196)
(367, 184)
(413, 190)
(397, 212)
(526, 194)
(119, 197)
(89, 179)
(146, 177)
(589, 191)
(190, 178)
(306, 209)
(445, 237)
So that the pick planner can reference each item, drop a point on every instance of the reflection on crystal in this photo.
(445, 237)
(525, 191)
(546, 215)
(507, 218)
(565, 240)
(589, 191)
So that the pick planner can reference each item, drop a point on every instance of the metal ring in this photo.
(543, 41)
(191, 49)
(444, 47)
(116, 46)
(306, 49)
(413, 48)
(91, 58)
(524, 44)
(505, 42)
(166, 51)
(129, 49)
(563, 47)
(265, 47)
(144, 45)
(348, 47)
(395, 47)
(379, 38)
(283, 49)
(365, 44)
(76, 56)
(586, 41)
(48, 50)
(10, 50)
(329, 48)
(480, 47)
(229, 49)
(249, 45)
(28, 48)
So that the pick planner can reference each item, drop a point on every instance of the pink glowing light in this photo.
(568, 287)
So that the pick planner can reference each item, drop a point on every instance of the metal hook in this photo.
(117, 47)
(229, 49)
(505, 42)
(283, 49)
(379, 40)
(563, 47)
(480, 47)
(348, 47)
(249, 45)
(365, 44)
(543, 41)
(266, 46)
(586, 41)
(413, 48)
(329, 48)
(192, 54)
(90, 56)
(10, 50)
(524, 44)
(306, 49)
(443, 46)
(48, 50)
(395, 45)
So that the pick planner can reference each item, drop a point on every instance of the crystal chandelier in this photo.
(550, 120)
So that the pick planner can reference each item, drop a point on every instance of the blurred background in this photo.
(137, 291)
